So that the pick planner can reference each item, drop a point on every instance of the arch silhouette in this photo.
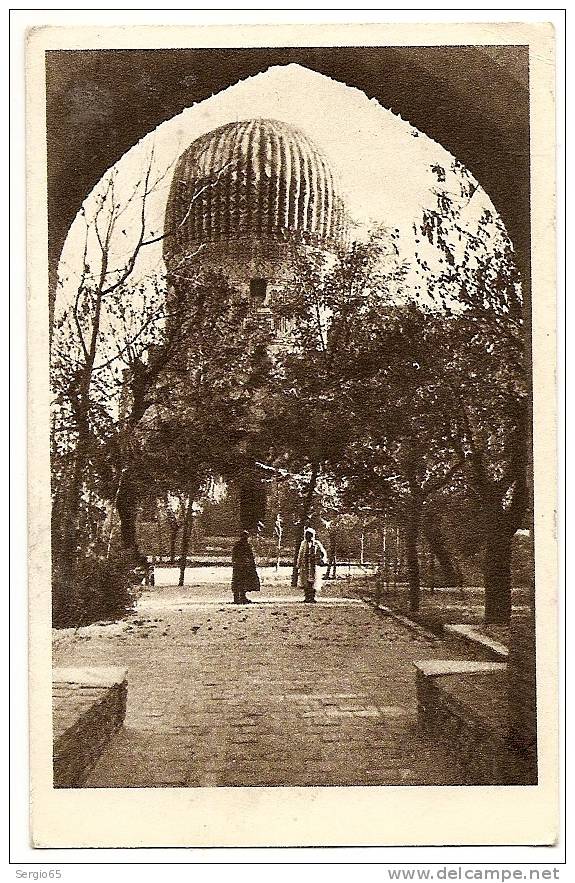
(473, 100)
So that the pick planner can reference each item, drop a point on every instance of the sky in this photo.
(383, 162)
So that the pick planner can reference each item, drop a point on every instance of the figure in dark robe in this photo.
(244, 574)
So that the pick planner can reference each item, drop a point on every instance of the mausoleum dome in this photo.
(254, 179)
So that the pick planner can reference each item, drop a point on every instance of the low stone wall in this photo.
(464, 705)
(89, 706)
(471, 639)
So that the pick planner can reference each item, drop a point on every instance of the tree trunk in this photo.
(434, 537)
(385, 557)
(306, 509)
(159, 537)
(332, 558)
(187, 527)
(431, 571)
(174, 529)
(252, 498)
(71, 514)
(396, 560)
(82, 414)
(497, 576)
(279, 550)
(411, 548)
(127, 508)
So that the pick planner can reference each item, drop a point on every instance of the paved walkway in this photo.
(276, 693)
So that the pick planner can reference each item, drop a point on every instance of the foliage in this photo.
(480, 357)
(100, 590)
(391, 390)
(323, 357)
(103, 316)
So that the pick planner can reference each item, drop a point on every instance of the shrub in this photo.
(97, 589)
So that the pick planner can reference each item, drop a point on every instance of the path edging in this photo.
(403, 620)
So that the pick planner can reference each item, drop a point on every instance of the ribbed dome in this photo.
(257, 178)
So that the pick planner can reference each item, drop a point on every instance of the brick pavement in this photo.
(276, 693)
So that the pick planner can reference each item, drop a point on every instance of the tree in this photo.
(82, 341)
(108, 349)
(195, 399)
(323, 355)
(433, 532)
(480, 347)
(406, 447)
(173, 508)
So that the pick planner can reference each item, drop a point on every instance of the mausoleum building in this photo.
(247, 199)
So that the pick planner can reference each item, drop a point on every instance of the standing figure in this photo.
(244, 574)
(311, 557)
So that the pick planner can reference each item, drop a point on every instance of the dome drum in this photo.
(247, 258)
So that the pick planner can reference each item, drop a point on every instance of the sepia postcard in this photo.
(292, 470)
